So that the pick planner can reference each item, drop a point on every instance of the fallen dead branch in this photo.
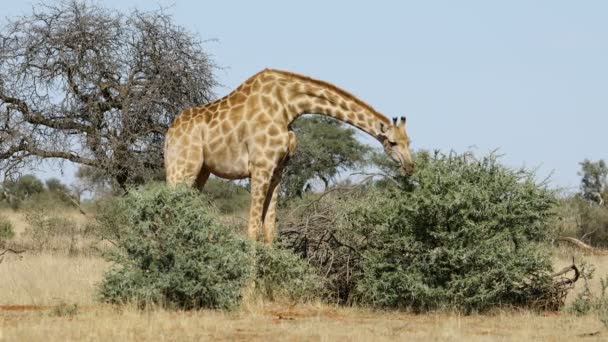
(581, 245)
(562, 284)
(12, 251)
(313, 230)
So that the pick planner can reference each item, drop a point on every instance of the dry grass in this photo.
(304, 322)
(70, 242)
(17, 219)
(51, 297)
(46, 279)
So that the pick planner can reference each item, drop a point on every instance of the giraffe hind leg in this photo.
(202, 178)
(180, 170)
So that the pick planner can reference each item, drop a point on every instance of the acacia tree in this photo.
(97, 87)
(593, 181)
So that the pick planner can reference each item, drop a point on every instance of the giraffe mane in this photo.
(332, 87)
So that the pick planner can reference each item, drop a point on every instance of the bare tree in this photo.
(96, 87)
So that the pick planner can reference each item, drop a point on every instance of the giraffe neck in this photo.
(305, 95)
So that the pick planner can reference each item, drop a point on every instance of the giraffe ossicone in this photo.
(246, 134)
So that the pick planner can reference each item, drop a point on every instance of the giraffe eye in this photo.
(393, 143)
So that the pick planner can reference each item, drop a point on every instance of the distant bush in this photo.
(24, 187)
(592, 222)
(582, 219)
(172, 251)
(584, 215)
(15, 191)
(463, 233)
(48, 230)
(29, 193)
(6, 230)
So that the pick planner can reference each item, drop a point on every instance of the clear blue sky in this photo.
(527, 77)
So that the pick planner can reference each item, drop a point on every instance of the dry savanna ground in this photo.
(50, 296)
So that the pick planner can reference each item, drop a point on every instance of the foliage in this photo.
(466, 233)
(55, 185)
(593, 182)
(325, 147)
(45, 226)
(582, 219)
(97, 87)
(462, 233)
(59, 190)
(588, 302)
(592, 222)
(17, 190)
(280, 274)
(6, 229)
(585, 215)
(583, 303)
(567, 218)
(28, 192)
(111, 219)
(172, 251)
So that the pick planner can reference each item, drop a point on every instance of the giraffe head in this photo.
(396, 144)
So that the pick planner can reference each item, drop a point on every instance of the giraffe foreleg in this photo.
(260, 182)
(270, 218)
(270, 215)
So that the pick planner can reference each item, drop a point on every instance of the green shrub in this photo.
(462, 233)
(582, 219)
(584, 301)
(175, 254)
(592, 222)
(111, 219)
(23, 187)
(172, 251)
(6, 229)
(48, 230)
(280, 275)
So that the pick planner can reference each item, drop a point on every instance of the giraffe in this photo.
(246, 135)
